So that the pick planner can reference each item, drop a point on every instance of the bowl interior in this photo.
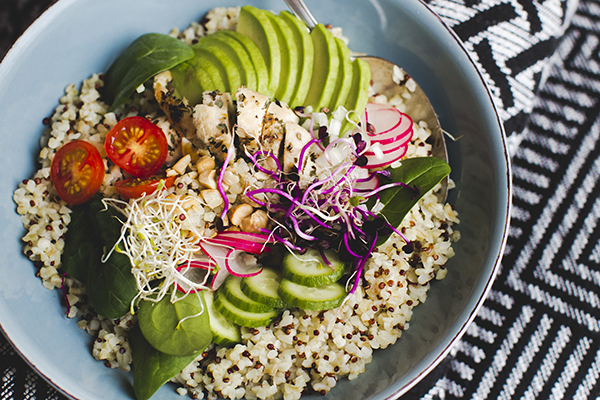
(76, 38)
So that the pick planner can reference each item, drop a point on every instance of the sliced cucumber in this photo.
(241, 317)
(309, 269)
(324, 297)
(263, 288)
(225, 332)
(232, 291)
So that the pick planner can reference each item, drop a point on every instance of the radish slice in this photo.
(373, 161)
(195, 271)
(253, 237)
(366, 185)
(389, 148)
(230, 260)
(238, 264)
(390, 124)
(218, 279)
(244, 245)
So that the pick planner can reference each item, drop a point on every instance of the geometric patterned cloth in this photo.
(537, 335)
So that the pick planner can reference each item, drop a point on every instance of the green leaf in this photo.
(179, 329)
(147, 56)
(421, 172)
(111, 287)
(80, 244)
(151, 368)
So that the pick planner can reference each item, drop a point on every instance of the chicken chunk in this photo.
(296, 137)
(251, 110)
(212, 122)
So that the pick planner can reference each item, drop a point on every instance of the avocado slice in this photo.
(325, 68)
(306, 55)
(238, 54)
(228, 70)
(260, 66)
(359, 93)
(190, 81)
(257, 26)
(289, 58)
(344, 80)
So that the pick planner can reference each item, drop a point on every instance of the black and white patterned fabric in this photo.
(537, 335)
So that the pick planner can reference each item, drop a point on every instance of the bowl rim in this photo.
(58, 6)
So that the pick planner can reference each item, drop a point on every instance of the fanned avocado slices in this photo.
(260, 66)
(344, 78)
(238, 55)
(358, 96)
(325, 68)
(257, 26)
(230, 74)
(306, 55)
(289, 59)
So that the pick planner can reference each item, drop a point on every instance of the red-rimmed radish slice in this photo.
(237, 265)
(387, 148)
(253, 237)
(391, 125)
(229, 259)
(383, 160)
(218, 279)
(195, 271)
(366, 185)
(244, 245)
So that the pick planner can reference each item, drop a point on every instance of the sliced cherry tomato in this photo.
(77, 171)
(133, 188)
(137, 145)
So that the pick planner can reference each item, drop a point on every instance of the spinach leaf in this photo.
(147, 56)
(80, 244)
(422, 173)
(151, 368)
(161, 326)
(110, 286)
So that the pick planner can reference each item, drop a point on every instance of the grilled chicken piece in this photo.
(296, 137)
(251, 110)
(177, 111)
(212, 122)
(207, 125)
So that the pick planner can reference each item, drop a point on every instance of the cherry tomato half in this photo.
(137, 145)
(77, 171)
(133, 188)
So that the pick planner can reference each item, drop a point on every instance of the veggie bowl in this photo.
(33, 318)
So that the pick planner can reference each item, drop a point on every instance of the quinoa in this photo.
(302, 349)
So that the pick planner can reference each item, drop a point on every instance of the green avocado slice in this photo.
(306, 55)
(325, 68)
(344, 80)
(229, 72)
(359, 94)
(260, 66)
(289, 58)
(257, 26)
(238, 54)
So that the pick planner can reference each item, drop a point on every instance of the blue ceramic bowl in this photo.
(76, 38)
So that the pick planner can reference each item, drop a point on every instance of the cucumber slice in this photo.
(232, 291)
(309, 269)
(241, 317)
(319, 298)
(225, 332)
(263, 288)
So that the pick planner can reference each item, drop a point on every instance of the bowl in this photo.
(75, 38)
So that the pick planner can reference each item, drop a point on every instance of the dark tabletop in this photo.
(537, 335)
